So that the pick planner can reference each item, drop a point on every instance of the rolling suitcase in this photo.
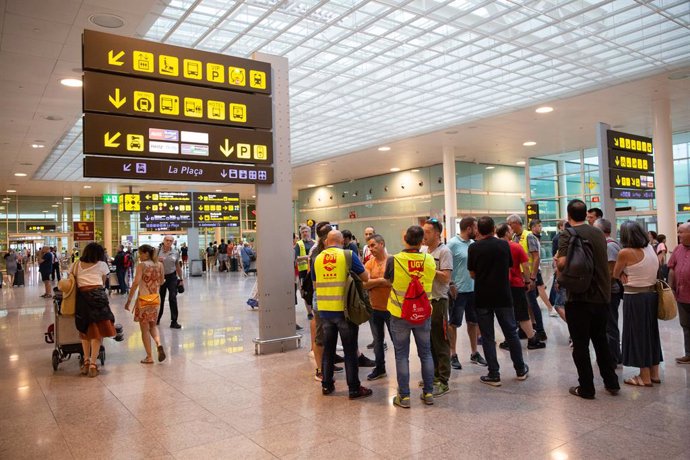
(19, 278)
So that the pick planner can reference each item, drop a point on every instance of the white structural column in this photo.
(450, 197)
(663, 166)
(562, 190)
(193, 243)
(276, 278)
(108, 229)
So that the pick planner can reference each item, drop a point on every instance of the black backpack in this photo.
(576, 276)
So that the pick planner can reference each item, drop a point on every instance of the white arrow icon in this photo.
(223, 173)
(127, 167)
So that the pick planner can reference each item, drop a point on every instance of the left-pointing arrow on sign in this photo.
(109, 141)
(127, 167)
(116, 101)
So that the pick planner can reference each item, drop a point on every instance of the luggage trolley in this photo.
(65, 336)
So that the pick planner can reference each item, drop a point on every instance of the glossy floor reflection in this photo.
(213, 398)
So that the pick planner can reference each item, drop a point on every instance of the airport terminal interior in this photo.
(134, 122)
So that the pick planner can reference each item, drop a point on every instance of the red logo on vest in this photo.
(415, 266)
(329, 261)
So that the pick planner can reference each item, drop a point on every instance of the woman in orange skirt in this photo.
(148, 277)
(93, 316)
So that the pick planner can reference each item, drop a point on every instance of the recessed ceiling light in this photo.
(109, 21)
(87, 186)
(67, 198)
(490, 167)
(54, 205)
(20, 174)
(385, 148)
(72, 82)
(11, 191)
(218, 190)
(415, 170)
(311, 185)
(529, 143)
(545, 109)
(37, 146)
(323, 164)
(395, 169)
(330, 186)
(520, 163)
(45, 211)
(253, 196)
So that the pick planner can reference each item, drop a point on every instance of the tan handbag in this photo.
(668, 308)
(68, 287)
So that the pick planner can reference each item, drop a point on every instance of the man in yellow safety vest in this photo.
(302, 248)
(330, 274)
(399, 271)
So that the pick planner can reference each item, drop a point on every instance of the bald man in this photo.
(331, 270)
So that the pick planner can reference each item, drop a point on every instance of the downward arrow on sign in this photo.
(227, 150)
(617, 162)
(223, 173)
(116, 101)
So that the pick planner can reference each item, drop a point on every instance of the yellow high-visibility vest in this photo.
(330, 269)
(525, 246)
(304, 264)
(406, 264)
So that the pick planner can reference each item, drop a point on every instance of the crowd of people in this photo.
(489, 273)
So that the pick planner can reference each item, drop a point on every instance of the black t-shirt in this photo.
(490, 260)
(600, 289)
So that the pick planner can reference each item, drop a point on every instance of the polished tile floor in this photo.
(213, 398)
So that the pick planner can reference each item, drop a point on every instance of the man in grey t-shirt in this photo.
(440, 346)
(612, 332)
(172, 268)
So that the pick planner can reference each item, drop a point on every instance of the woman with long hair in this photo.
(148, 278)
(93, 318)
(636, 267)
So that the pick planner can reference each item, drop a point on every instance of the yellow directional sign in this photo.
(226, 149)
(629, 142)
(114, 59)
(124, 55)
(244, 151)
(135, 143)
(130, 202)
(116, 100)
(591, 184)
(109, 141)
(148, 98)
(628, 160)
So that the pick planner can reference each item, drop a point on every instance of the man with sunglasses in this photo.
(440, 346)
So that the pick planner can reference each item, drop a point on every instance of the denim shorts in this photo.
(463, 304)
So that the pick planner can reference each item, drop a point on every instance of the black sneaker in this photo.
(455, 362)
(376, 374)
(175, 325)
(363, 392)
(534, 343)
(477, 358)
(542, 336)
(613, 391)
(338, 359)
(363, 361)
(337, 369)
(504, 345)
(328, 389)
(490, 380)
(523, 375)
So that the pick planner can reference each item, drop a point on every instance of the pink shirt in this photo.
(680, 264)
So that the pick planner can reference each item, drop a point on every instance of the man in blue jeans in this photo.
(399, 271)
(330, 271)
(379, 290)
(489, 261)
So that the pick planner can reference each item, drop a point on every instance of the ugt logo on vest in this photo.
(415, 266)
(329, 261)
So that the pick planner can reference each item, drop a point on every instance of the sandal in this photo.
(637, 382)
(93, 370)
(85, 367)
(146, 360)
(161, 354)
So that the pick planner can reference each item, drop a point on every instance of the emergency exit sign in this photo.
(111, 199)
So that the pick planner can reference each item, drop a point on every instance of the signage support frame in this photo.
(607, 203)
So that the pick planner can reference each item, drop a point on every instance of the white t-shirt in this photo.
(91, 276)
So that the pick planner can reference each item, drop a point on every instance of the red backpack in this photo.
(416, 307)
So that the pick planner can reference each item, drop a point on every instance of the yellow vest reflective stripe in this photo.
(405, 264)
(330, 270)
(304, 264)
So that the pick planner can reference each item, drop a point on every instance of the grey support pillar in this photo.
(450, 202)
(275, 258)
(608, 204)
(663, 159)
(193, 243)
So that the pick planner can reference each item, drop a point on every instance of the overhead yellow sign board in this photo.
(131, 56)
